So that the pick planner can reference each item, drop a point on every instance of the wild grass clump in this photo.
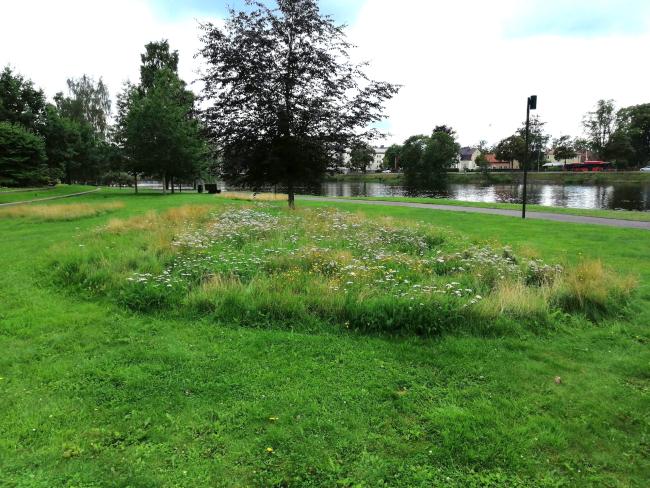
(262, 264)
(253, 196)
(592, 289)
(71, 211)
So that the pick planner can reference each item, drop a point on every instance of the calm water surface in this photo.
(606, 197)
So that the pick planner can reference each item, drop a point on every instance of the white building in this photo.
(467, 159)
(378, 162)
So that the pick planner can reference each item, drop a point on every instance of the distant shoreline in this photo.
(565, 178)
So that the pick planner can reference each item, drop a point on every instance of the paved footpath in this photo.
(574, 219)
(11, 204)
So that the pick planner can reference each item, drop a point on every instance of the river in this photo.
(617, 196)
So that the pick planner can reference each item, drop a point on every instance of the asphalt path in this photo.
(573, 219)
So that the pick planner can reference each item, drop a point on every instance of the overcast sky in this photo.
(466, 63)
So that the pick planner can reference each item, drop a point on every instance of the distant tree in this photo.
(426, 160)
(482, 160)
(362, 155)
(537, 139)
(392, 156)
(599, 126)
(511, 149)
(284, 97)
(20, 102)
(22, 156)
(125, 160)
(446, 129)
(411, 153)
(87, 102)
(619, 149)
(564, 148)
(62, 144)
(635, 123)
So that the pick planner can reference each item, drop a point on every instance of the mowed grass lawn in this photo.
(94, 394)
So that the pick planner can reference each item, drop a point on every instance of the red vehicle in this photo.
(589, 166)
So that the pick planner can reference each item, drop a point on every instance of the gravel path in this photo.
(574, 219)
(11, 204)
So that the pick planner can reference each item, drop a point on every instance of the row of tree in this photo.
(281, 100)
(618, 136)
(156, 131)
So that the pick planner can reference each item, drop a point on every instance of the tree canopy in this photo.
(283, 96)
(20, 102)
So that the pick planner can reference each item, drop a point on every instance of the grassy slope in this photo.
(59, 190)
(608, 214)
(93, 396)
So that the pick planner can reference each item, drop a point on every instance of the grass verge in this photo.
(35, 194)
(607, 214)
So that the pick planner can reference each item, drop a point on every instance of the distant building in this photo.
(467, 159)
(580, 157)
(494, 163)
(376, 165)
(378, 162)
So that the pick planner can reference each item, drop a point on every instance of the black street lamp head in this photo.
(532, 102)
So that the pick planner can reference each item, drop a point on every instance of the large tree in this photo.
(156, 124)
(284, 97)
(20, 102)
(599, 126)
(159, 133)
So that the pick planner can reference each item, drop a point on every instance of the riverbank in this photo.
(591, 178)
(94, 391)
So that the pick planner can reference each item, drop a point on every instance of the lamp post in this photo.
(530, 105)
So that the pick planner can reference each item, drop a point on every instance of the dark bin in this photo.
(212, 188)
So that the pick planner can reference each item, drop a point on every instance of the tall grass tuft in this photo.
(70, 211)
(253, 197)
(593, 289)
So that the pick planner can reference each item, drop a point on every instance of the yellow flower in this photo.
(269, 450)
(274, 419)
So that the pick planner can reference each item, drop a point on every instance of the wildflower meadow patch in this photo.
(261, 265)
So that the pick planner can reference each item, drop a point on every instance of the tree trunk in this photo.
(135, 179)
(292, 196)
(164, 184)
(172, 184)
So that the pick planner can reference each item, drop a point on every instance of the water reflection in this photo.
(616, 196)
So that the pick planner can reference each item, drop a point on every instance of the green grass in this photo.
(34, 194)
(608, 214)
(93, 394)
